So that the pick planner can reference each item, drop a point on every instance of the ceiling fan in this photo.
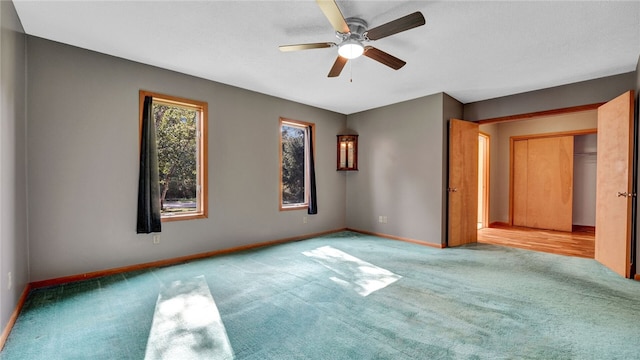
(353, 32)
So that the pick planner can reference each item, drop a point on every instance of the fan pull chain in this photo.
(350, 71)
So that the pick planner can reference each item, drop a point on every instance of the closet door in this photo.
(520, 180)
(543, 183)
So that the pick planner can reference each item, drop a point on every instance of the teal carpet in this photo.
(344, 296)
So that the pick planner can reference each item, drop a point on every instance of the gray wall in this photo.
(401, 169)
(83, 164)
(576, 94)
(13, 193)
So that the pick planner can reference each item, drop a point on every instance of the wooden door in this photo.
(463, 183)
(614, 184)
(543, 183)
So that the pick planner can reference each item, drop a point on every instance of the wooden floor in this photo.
(580, 242)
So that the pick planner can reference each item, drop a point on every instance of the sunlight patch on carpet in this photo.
(187, 324)
(361, 276)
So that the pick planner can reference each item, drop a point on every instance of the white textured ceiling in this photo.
(472, 50)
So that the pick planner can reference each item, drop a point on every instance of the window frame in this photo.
(304, 125)
(202, 202)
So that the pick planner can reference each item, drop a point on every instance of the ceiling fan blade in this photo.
(398, 25)
(333, 13)
(297, 47)
(383, 58)
(337, 67)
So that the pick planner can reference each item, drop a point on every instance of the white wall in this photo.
(499, 186)
(83, 164)
(401, 155)
(13, 193)
(584, 179)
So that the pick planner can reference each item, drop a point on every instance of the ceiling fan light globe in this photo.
(350, 49)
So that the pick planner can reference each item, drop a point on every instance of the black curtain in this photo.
(313, 203)
(148, 184)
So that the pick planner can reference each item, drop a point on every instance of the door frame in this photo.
(531, 116)
(636, 160)
(485, 157)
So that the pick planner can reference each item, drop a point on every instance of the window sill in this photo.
(190, 216)
(294, 207)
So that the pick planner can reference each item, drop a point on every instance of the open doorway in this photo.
(498, 228)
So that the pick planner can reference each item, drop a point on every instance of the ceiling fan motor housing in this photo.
(357, 28)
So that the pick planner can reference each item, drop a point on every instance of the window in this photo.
(181, 137)
(294, 164)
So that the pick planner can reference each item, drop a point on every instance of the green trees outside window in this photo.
(177, 147)
(294, 164)
(181, 139)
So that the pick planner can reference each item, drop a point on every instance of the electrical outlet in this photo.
(384, 219)
(304, 219)
(156, 239)
(380, 219)
(9, 281)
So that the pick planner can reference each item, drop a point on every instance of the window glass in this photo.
(293, 165)
(294, 154)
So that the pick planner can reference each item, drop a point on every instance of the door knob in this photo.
(453, 189)
(625, 194)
